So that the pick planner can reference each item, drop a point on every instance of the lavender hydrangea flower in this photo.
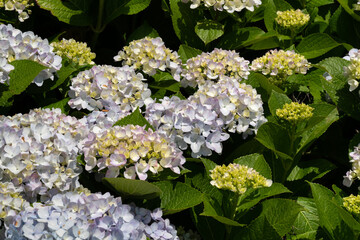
(133, 150)
(228, 5)
(103, 86)
(96, 216)
(20, 6)
(39, 151)
(150, 54)
(354, 173)
(16, 45)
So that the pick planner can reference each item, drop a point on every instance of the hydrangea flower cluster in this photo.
(295, 112)
(352, 203)
(214, 65)
(280, 64)
(229, 5)
(150, 54)
(237, 178)
(201, 120)
(292, 19)
(96, 216)
(132, 149)
(353, 70)
(20, 6)
(187, 235)
(16, 45)
(39, 151)
(356, 6)
(354, 173)
(103, 86)
(77, 52)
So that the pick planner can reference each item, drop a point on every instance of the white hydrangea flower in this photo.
(228, 5)
(17, 45)
(352, 72)
(39, 152)
(103, 86)
(150, 54)
(84, 216)
(354, 173)
(214, 65)
(20, 6)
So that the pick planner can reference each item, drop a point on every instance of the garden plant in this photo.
(180, 119)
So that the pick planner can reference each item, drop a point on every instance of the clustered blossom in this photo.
(352, 204)
(150, 54)
(237, 178)
(39, 151)
(132, 150)
(16, 45)
(353, 70)
(356, 6)
(104, 86)
(280, 64)
(213, 66)
(77, 52)
(20, 6)
(292, 19)
(295, 112)
(93, 216)
(229, 5)
(201, 121)
(354, 173)
(187, 235)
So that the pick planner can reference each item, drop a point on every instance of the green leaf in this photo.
(277, 101)
(338, 223)
(135, 118)
(170, 85)
(115, 8)
(347, 5)
(209, 30)
(209, 165)
(275, 138)
(262, 85)
(318, 3)
(62, 104)
(20, 78)
(184, 21)
(162, 76)
(145, 30)
(307, 222)
(133, 188)
(178, 196)
(316, 45)
(257, 162)
(311, 170)
(185, 52)
(74, 12)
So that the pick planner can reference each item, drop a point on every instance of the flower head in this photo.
(133, 150)
(295, 112)
(104, 86)
(354, 173)
(20, 6)
(352, 204)
(237, 178)
(229, 5)
(356, 6)
(292, 19)
(353, 70)
(150, 54)
(280, 64)
(76, 52)
(214, 65)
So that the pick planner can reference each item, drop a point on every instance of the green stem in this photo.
(234, 204)
(99, 27)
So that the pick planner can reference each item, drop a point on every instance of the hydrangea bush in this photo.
(179, 119)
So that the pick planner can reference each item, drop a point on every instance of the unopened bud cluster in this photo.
(104, 86)
(17, 45)
(292, 19)
(280, 64)
(353, 70)
(132, 150)
(214, 65)
(77, 52)
(354, 173)
(150, 54)
(20, 6)
(228, 5)
(352, 203)
(237, 178)
(295, 112)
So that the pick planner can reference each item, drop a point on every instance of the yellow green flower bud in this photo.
(292, 19)
(295, 112)
(77, 52)
(352, 203)
(237, 178)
